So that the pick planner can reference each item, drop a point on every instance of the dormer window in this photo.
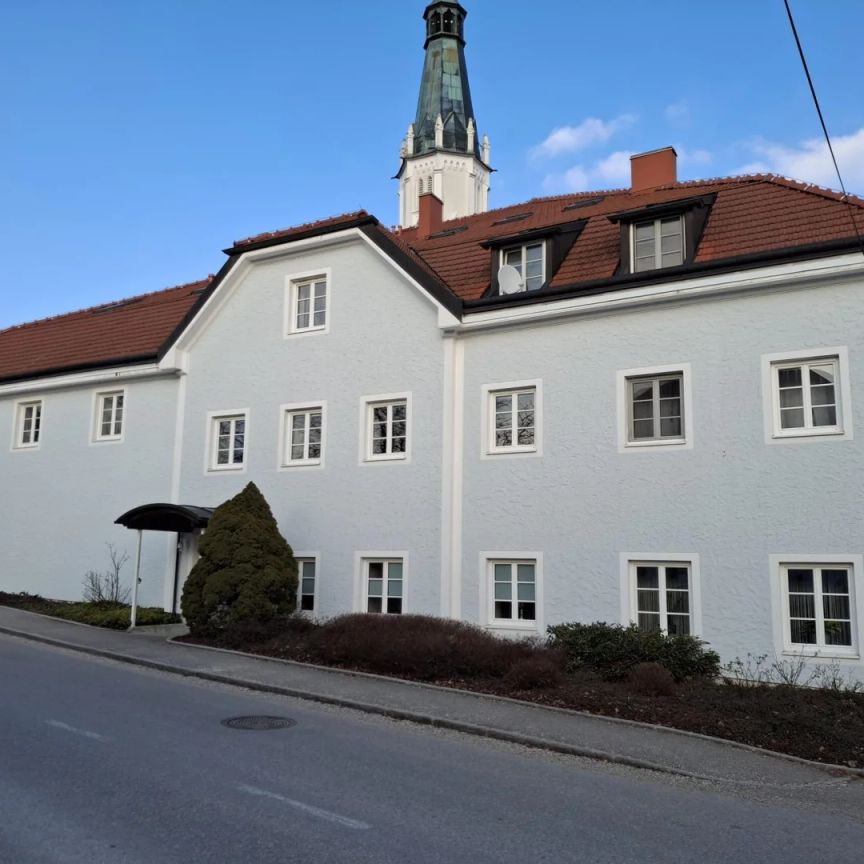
(529, 261)
(662, 236)
(658, 243)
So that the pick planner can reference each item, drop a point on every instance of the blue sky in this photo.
(138, 140)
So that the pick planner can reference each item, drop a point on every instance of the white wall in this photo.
(382, 339)
(58, 502)
(732, 499)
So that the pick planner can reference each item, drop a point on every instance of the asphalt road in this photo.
(101, 762)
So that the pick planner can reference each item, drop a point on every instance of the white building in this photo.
(634, 405)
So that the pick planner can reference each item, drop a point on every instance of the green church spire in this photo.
(444, 90)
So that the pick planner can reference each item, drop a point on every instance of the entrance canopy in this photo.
(182, 518)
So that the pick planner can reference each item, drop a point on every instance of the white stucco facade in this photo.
(732, 502)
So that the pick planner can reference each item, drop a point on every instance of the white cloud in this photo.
(614, 170)
(570, 139)
(811, 160)
(686, 156)
(678, 112)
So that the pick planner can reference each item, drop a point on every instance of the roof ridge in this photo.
(315, 223)
(107, 305)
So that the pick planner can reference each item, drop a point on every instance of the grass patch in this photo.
(825, 725)
(114, 616)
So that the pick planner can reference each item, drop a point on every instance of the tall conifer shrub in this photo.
(246, 574)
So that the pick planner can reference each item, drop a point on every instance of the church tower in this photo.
(442, 153)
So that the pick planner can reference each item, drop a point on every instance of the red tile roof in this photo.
(752, 214)
(134, 328)
(757, 213)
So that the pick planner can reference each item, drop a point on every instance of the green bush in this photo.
(115, 616)
(246, 573)
(612, 650)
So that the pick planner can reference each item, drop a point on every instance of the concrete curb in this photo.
(572, 712)
(429, 720)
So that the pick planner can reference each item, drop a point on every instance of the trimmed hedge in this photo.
(612, 650)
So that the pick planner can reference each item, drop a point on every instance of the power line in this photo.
(824, 126)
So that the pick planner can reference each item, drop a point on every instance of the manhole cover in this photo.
(259, 724)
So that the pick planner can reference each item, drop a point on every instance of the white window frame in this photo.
(658, 253)
(362, 561)
(99, 397)
(523, 248)
(18, 415)
(487, 591)
(315, 559)
(286, 413)
(627, 584)
(293, 282)
(367, 405)
(212, 438)
(623, 379)
(771, 363)
(488, 448)
(780, 603)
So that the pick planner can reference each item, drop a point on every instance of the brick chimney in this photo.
(431, 214)
(650, 170)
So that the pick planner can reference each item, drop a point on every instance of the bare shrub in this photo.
(106, 587)
(540, 672)
(651, 679)
(752, 671)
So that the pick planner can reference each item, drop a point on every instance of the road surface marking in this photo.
(308, 808)
(94, 736)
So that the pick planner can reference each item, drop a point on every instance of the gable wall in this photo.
(383, 339)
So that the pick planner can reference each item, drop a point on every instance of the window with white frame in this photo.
(28, 424)
(383, 580)
(306, 572)
(109, 416)
(387, 429)
(806, 397)
(309, 305)
(530, 261)
(514, 591)
(228, 442)
(657, 243)
(818, 606)
(513, 420)
(655, 407)
(663, 596)
(304, 442)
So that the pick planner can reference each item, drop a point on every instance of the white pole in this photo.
(137, 580)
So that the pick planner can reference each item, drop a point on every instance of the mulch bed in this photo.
(821, 725)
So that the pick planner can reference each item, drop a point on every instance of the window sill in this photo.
(226, 469)
(23, 448)
(808, 433)
(375, 460)
(309, 463)
(513, 451)
(526, 627)
(671, 444)
(821, 653)
(307, 331)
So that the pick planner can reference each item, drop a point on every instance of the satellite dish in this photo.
(510, 280)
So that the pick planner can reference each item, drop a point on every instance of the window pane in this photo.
(307, 603)
(503, 609)
(643, 410)
(803, 632)
(835, 581)
(376, 587)
(826, 416)
(648, 600)
(240, 426)
(821, 375)
(524, 572)
(503, 404)
(526, 437)
(526, 611)
(836, 607)
(525, 592)
(677, 578)
(670, 428)
(670, 388)
(789, 377)
(644, 231)
(792, 397)
(838, 633)
(394, 605)
(678, 601)
(400, 411)
(678, 625)
(792, 418)
(394, 587)
(297, 452)
(822, 395)
(376, 570)
(503, 591)
(503, 439)
(394, 570)
(525, 401)
(800, 580)
(649, 622)
(374, 605)
(670, 407)
(647, 577)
